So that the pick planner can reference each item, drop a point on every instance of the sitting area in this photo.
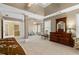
(45, 36)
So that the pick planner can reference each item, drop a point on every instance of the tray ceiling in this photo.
(44, 5)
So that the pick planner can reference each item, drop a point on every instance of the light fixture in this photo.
(29, 4)
(34, 23)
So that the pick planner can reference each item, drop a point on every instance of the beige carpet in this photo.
(35, 45)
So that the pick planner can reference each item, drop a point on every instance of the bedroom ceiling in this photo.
(44, 5)
(42, 9)
(22, 5)
(37, 8)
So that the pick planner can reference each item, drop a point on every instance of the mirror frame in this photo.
(61, 19)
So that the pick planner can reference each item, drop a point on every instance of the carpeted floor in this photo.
(35, 45)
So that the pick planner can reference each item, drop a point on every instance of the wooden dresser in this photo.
(62, 37)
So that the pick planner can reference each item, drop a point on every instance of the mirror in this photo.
(61, 24)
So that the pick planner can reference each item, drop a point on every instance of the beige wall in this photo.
(54, 7)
